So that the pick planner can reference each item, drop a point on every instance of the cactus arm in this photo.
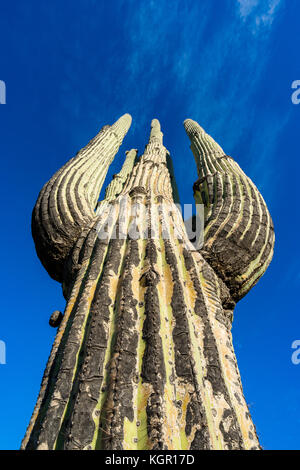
(115, 186)
(238, 233)
(66, 203)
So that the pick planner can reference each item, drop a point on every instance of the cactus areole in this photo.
(143, 355)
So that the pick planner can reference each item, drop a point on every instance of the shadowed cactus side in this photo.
(143, 355)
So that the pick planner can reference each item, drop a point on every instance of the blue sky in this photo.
(72, 66)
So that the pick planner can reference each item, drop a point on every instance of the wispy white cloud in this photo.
(182, 64)
(180, 60)
(268, 17)
(259, 13)
(246, 6)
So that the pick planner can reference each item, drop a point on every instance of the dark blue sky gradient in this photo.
(72, 66)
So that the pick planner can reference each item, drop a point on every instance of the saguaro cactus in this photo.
(143, 356)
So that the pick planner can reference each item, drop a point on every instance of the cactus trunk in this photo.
(143, 357)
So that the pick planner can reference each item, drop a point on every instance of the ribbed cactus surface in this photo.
(143, 356)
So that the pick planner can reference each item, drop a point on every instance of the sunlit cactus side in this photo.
(116, 185)
(143, 356)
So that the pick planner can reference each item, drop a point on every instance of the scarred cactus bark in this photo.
(143, 356)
